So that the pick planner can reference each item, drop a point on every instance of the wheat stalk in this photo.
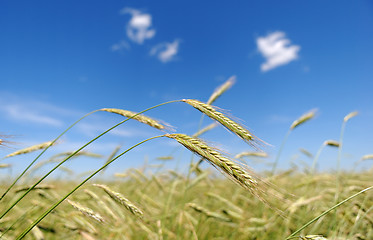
(208, 213)
(231, 125)
(86, 211)
(141, 118)
(30, 149)
(101, 203)
(221, 89)
(122, 200)
(205, 129)
(304, 118)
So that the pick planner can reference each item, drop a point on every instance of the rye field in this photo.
(217, 197)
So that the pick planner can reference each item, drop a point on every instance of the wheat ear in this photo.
(205, 129)
(254, 154)
(141, 118)
(30, 149)
(231, 169)
(304, 118)
(221, 89)
(122, 200)
(231, 125)
(331, 143)
(86, 211)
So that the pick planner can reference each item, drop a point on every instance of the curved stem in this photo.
(71, 155)
(27, 168)
(327, 211)
(23, 234)
(313, 168)
(280, 151)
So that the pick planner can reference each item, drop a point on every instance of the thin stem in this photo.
(23, 234)
(340, 147)
(27, 168)
(71, 155)
(327, 211)
(313, 168)
(279, 152)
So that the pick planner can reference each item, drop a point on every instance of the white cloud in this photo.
(23, 113)
(120, 46)
(139, 27)
(32, 111)
(166, 51)
(277, 50)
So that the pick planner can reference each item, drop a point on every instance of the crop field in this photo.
(216, 198)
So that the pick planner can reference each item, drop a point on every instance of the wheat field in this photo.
(217, 197)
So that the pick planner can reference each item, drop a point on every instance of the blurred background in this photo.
(62, 59)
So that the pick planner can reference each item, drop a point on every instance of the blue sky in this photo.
(62, 59)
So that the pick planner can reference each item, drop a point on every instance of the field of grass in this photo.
(202, 207)
(226, 201)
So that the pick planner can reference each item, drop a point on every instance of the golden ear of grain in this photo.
(205, 129)
(141, 118)
(221, 89)
(225, 121)
(350, 115)
(30, 149)
(4, 142)
(231, 169)
(367, 157)
(208, 213)
(101, 203)
(331, 143)
(165, 158)
(304, 118)
(86, 211)
(5, 165)
(254, 154)
(305, 152)
(313, 237)
(121, 200)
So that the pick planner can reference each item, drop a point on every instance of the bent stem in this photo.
(23, 234)
(327, 211)
(71, 155)
(28, 167)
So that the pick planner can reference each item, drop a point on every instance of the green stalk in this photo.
(23, 234)
(27, 168)
(327, 211)
(71, 155)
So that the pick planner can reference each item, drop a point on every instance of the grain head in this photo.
(304, 118)
(121, 200)
(141, 118)
(221, 89)
(234, 171)
(350, 115)
(231, 125)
